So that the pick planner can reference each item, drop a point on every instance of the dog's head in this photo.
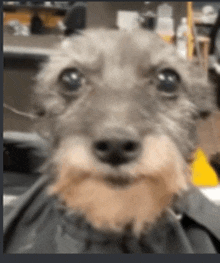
(120, 110)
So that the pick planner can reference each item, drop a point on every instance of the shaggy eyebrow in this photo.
(87, 63)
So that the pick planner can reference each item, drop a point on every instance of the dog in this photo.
(120, 110)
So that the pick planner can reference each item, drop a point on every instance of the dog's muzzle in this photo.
(117, 147)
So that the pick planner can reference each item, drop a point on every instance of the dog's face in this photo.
(120, 109)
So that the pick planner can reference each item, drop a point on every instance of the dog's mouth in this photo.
(122, 181)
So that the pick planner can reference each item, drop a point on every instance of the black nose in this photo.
(116, 151)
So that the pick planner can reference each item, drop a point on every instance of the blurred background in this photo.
(31, 29)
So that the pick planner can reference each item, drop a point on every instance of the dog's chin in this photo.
(110, 203)
(113, 199)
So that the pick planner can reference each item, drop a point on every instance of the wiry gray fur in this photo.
(120, 88)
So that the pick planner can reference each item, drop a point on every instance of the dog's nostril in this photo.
(102, 146)
(130, 146)
(116, 151)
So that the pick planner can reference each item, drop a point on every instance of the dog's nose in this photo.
(116, 151)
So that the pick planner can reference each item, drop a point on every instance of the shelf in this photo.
(27, 52)
(56, 10)
(198, 22)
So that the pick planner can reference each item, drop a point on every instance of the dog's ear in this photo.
(200, 89)
(45, 100)
(41, 124)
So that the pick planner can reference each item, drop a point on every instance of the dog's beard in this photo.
(147, 187)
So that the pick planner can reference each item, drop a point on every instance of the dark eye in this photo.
(71, 80)
(168, 81)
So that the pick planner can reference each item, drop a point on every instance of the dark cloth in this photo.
(39, 225)
(24, 152)
(24, 156)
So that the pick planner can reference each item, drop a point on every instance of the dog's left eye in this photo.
(168, 81)
(71, 80)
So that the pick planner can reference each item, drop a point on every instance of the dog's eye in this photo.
(71, 80)
(168, 81)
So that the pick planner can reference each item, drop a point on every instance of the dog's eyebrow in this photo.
(82, 54)
(91, 64)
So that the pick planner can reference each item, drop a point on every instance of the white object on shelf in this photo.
(181, 42)
(165, 26)
(19, 29)
(128, 20)
(48, 3)
(165, 23)
(164, 10)
(209, 14)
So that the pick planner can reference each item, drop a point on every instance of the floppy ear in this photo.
(41, 124)
(46, 102)
(200, 89)
(40, 104)
(45, 106)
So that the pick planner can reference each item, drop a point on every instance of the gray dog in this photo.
(120, 112)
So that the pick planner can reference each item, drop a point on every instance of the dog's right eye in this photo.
(168, 82)
(71, 80)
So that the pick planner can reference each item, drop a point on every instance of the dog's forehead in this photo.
(117, 48)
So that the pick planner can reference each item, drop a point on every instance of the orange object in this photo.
(203, 174)
(204, 43)
(167, 38)
(50, 20)
(190, 38)
(24, 17)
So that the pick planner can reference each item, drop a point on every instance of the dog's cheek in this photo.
(200, 90)
(203, 97)
(47, 106)
(179, 123)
